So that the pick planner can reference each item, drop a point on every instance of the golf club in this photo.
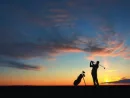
(102, 66)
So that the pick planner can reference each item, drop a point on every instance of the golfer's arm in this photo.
(91, 64)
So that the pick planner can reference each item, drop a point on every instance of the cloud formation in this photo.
(106, 44)
(19, 65)
(47, 29)
(123, 80)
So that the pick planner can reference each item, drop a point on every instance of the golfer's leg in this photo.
(94, 82)
(97, 81)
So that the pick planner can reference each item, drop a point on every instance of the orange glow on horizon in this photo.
(41, 82)
(51, 83)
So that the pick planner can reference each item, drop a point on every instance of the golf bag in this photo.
(79, 78)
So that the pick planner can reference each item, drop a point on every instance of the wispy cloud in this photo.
(123, 80)
(19, 65)
(107, 44)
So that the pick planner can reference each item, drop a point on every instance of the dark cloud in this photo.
(31, 50)
(123, 80)
(44, 48)
(19, 65)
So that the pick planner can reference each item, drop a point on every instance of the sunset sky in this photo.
(50, 42)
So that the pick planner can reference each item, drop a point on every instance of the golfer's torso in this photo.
(94, 70)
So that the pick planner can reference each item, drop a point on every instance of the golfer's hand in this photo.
(92, 61)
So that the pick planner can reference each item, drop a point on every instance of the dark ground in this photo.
(65, 91)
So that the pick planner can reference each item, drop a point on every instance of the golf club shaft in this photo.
(102, 66)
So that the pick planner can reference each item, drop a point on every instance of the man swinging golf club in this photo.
(94, 72)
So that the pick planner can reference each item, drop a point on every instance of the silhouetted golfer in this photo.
(94, 72)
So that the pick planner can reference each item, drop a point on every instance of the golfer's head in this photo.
(97, 62)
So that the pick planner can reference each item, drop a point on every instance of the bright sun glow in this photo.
(106, 80)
